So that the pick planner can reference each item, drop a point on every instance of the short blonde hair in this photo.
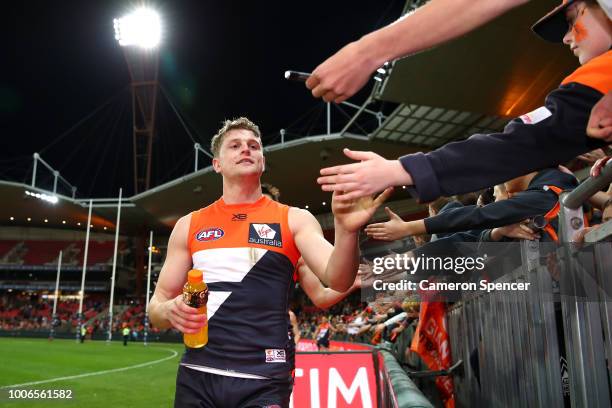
(239, 123)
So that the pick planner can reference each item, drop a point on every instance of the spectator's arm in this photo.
(599, 199)
(395, 228)
(343, 74)
(524, 205)
(395, 319)
(488, 159)
(513, 231)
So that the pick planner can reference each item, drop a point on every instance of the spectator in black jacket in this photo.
(528, 197)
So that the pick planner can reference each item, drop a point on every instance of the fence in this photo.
(548, 346)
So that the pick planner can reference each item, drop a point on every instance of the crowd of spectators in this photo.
(21, 311)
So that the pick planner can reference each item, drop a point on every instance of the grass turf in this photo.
(28, 360)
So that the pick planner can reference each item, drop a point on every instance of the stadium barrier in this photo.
(547, 346)
(361, 377)
(399, 386)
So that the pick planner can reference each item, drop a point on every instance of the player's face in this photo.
(590, 31)
(241, 154)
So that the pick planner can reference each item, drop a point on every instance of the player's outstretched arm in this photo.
(336, 265)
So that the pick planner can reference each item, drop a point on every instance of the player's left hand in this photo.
(351, 215)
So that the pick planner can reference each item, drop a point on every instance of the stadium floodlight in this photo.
(141, 28)
(45, 197)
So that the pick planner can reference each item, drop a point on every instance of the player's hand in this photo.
(184, 318)
(391, 230)
(343, 74)
(372, 174)
(600, 121)
(351, 215)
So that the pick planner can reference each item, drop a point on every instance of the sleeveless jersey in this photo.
(323, 331)
(248, 257)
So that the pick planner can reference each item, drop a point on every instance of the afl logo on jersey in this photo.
(209, 234)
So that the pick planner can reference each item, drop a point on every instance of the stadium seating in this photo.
(44, 252)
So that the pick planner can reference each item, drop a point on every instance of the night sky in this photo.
(219, 59)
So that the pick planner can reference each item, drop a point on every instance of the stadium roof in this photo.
(500, 69)
(292, 167)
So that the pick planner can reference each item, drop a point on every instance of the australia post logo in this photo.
(265, 234)
(209, 234)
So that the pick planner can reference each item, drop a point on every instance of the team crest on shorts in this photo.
(276, 356)
(265, 234)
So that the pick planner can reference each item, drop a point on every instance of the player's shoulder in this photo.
(299, 218)
(181, 230)
(299, 212)
(183, 222)
(196, 216)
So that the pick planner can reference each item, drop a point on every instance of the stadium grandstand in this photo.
(85, 222)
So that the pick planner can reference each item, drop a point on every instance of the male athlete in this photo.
(247, 246)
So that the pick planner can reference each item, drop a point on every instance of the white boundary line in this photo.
(114, 370)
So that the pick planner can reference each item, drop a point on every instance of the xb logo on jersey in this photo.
(209, 234)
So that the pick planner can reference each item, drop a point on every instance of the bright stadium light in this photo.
(141, 28)
(45, 197)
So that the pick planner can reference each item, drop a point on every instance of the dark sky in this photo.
(220, 59)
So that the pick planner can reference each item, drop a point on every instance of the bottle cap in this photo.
(194, 276)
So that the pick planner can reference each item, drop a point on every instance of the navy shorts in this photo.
(197, 389)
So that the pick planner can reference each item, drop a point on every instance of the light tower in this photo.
(139, 34)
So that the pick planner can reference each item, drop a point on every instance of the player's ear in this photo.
(216, 165)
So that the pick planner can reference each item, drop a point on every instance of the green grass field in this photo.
(146, 385)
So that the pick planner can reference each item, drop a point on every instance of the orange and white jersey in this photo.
(323, 331)
(248, 257)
